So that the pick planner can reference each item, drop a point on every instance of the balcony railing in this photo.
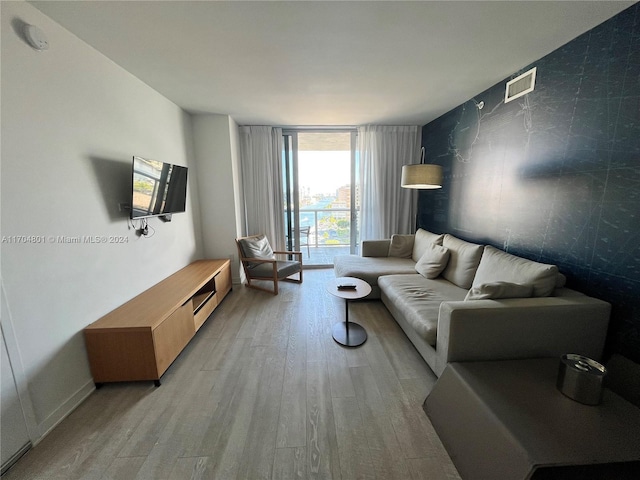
(329, 226)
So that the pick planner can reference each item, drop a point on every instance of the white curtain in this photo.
(261, 164)
(386, 208)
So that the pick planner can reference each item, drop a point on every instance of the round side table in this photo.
(349, 334)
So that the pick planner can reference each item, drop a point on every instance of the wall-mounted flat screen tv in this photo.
(158, 188)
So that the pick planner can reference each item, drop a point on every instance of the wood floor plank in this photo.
(404, 358)
(370, 401)
(386, 379)
(427, 468)
(293, 409)
(191, 468)
(338, 366)
(123, 468)
(259, 448)
(234, 392)
(323, 459)
(184, 429)
(408, 421)
(262, 391)
(218, 356)
(254, 314)
(102, 420)
(290, 464)
(355, 457)
(386, 452)
(317, 331)
(417, 389)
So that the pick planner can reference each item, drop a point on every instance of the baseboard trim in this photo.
(64, 410)
(14, 458)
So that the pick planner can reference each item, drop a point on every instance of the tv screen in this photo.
(158, 188)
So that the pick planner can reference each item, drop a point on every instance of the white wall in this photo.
(71, 121)
(216, 152)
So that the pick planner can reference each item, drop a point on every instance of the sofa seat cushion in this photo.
(370, 268)
(499, 266)
(418, 299)
(284, 269)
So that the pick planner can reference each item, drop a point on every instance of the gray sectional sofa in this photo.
(458, 301)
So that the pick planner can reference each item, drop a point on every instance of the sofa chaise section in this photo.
(502, 329)
(370, 269)
(395, 256)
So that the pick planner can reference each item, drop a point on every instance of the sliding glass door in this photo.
(321, 201)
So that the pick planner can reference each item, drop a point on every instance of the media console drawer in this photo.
(140, 339)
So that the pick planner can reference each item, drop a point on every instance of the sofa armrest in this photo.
(375, 248)
(521, 328)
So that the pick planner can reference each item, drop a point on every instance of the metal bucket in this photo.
(581, 378)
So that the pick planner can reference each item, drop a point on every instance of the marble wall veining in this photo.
(555, 175)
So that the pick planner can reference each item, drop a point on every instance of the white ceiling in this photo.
(326, 63)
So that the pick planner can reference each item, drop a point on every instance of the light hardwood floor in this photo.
(261, 392)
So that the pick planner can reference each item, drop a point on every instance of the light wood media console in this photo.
(140, 339)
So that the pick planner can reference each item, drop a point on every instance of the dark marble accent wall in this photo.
(554, 175)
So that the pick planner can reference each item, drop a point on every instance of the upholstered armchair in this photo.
(260, 263)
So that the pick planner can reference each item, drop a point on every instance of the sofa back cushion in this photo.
(401, 246)
(499, 266)
(433, 262)
(497, 290)
(463, 261)
(422, 240)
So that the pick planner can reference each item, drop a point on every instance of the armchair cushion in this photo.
(283, 269)
(256, 247)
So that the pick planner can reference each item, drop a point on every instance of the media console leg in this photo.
(156, 383)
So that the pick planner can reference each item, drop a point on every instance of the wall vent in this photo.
(521, 85)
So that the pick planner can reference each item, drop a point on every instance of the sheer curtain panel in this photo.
(261, 163)
(386, 207)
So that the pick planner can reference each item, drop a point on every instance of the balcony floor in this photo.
(323, 255)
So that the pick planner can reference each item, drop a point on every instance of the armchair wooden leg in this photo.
(263, 289)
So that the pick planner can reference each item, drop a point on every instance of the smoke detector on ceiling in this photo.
(521, 85)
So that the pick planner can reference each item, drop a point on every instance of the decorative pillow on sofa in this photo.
(499, 266)
(464, 261)
(401, 246)
(422, 240)
(433, 262)
(497, 290)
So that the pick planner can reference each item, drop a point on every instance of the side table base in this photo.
(355, 336)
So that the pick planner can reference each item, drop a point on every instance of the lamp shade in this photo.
(422, 176)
